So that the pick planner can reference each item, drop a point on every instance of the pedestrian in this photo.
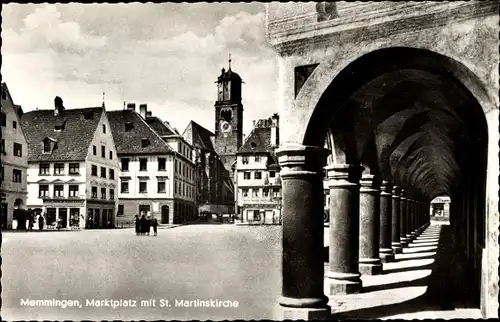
(148, 225)
(137, 225)
(30, 221)
(40, 222)
(155, 226)
(143, 224)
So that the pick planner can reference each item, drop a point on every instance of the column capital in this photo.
(368, 183)
(403, 194)
(340, 175)
(385, 188)
(298, 160)
(396, 191)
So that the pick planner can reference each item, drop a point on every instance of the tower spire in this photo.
(229, 60)
(103, 99)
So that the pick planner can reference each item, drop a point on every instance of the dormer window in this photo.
(253, 145)
(145, 143)
(48, 145)
(129, 126)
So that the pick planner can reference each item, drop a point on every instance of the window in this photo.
(245, 192)
(44, 168)
(112, 194)
(276, 192)
(103, 172)
(4, 119)
(125, 163)
(255, 192)
(94, 171)
(14, 124)
(43, 190)
(104, 128)
(112, 174)
(73, 190)
(143, 164)
(94, 192)
(256, 215)
(17, 176)
(3, 146)
(257, 158)
(58, 168)
(120, 211)
(162, 164)
(272, 174)
(103, 151)
(124, 187)
(161, 187)
(94, 149)
(103, 193)
(74, 168)
(265, 191)
(145, 143)
(58, 190)
(18, 150)
(246, 175)
(111, 155)
(258, 175)
(245, 159)
(175, 187)
(129, 126)
(47, 146)
(143, 187)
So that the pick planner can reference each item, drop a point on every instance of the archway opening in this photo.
(409, 117)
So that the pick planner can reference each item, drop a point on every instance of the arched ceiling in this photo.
(412, 127)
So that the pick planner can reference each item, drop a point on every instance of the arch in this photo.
(331, 84)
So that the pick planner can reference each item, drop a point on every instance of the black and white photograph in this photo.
(250, 160)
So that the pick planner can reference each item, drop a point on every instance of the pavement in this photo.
(206, 262)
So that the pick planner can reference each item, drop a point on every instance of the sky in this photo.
(165, 55)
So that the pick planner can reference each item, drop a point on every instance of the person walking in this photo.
(143, 224)
(137, 225)
(148, 225)
(155, 226)
(40, 222)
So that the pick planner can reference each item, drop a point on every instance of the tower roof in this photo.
(228, 75)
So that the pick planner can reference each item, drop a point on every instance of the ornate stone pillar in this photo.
(395, 232)
(385, 237)
(302, 294)
(343, 275)
(402, 223)
(369, 226)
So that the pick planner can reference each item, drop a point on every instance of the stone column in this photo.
(395, 232)
(302, 294)
(409, 218)
(414, 215)
(343, 275)
(386, 252)
(369, 226)
(402, 223)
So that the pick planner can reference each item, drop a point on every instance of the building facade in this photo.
(214, 189)
(72, 167)
(14, 161)
(156, 169)
(257, 176)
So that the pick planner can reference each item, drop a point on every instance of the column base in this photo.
(386, 255)
(343, 283)
(370, 267)
(294, 313)
(404, 242)
(396, 248)
(409, 238)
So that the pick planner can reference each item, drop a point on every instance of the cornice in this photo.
(376, 25)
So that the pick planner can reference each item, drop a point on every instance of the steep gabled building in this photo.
(258, 175)
(14, 161)
(156, 173)
(73, 166)
(215, 189)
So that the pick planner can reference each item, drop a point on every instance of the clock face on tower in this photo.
(225, 127)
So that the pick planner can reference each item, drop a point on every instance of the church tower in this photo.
(228, 116)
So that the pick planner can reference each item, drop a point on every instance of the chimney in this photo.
(131, 106)
(58, 106)
(143, 109)
(254, 123)
(275, 134)
(149, 113)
